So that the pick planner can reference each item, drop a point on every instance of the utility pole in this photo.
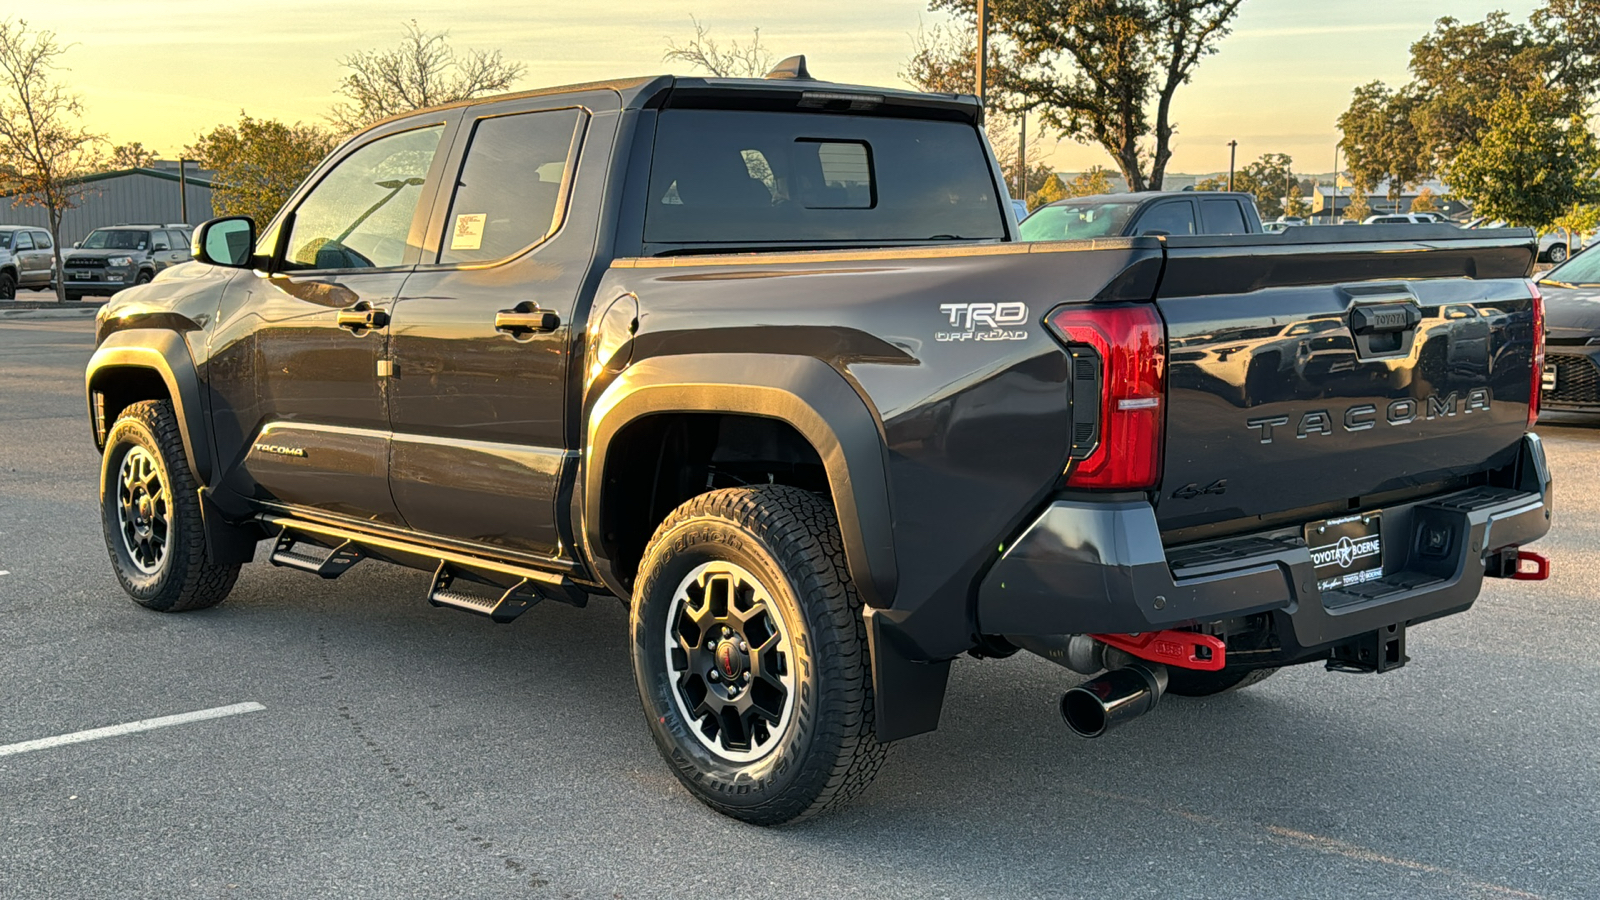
(183, 192)
(1233, 149)
(983, 49)
(1022, 160)
(1333, 213)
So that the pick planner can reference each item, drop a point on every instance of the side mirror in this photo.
(226, 242)
(77, 245)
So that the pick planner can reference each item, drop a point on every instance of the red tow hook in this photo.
(1180, 649)
(1540, 570)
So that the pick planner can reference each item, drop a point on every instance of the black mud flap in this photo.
(908, 693)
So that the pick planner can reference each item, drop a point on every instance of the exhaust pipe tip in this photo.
(1100, 704)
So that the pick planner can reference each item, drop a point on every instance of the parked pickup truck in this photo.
(767, 360)
(1174, 213)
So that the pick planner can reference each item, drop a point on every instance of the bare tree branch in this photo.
(424, 70)
(750, 60)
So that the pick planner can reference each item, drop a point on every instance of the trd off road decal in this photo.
(984, 322)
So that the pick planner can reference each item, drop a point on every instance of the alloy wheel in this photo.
(144, 510)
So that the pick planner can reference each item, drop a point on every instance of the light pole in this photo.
(1333, 211)
(1233, 150)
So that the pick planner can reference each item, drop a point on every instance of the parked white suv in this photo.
(1406, 219)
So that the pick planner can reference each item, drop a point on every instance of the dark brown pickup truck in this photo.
(767, 360)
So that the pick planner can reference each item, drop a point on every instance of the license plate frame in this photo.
(1346, 550)
(1549, 379)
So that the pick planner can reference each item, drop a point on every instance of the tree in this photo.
(131, 156)
(1094, 181)
(1296, 206)
(1052, 190)
(1359, 208)
(1100, 71)
(47, 151)
(734, 61)
(1268, 179)
(1529, 166)
(1425, 202)
(424, 70)
(1381, 143)
(258, 163)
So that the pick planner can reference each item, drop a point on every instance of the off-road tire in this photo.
(145, 277)
(183, 579)
(8, 286)
(788, 539)
(1191, 683)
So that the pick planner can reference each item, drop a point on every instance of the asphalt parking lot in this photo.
(403, 751)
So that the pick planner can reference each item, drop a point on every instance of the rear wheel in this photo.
(8, 286)
(1192, 683)
(750, 655)
(150, 512)
(1558, 253)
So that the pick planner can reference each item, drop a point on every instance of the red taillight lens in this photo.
(1132, 345)
(1538, 355)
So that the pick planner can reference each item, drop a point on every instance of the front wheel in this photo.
(8, 286)
(1558, 254)
(750, 655)
(150, 512)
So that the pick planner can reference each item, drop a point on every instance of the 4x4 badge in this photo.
(1193, 490)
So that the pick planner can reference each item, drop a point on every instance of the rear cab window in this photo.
(1223, 216)
(1168, 217)
(511, 190)
(723, 178)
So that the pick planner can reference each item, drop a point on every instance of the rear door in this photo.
(483, 337)
(30, 272)
(1173, 217)
(1317, 376)
(1223, 215)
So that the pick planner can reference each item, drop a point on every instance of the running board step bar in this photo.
(294, 553)
(301, 544)
(517, 599)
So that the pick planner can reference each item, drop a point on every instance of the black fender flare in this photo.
(805, 392)
(167, 354)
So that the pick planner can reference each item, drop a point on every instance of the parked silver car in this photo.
(27, 259)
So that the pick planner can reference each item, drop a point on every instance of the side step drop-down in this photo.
(297, 554)
(515, 601)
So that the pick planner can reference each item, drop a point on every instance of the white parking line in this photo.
(94, 734)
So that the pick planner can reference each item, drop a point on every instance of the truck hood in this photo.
(1570, 312)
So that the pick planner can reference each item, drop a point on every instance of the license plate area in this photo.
(1547, 379)
(1346, 551)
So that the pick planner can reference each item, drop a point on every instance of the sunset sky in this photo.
(163, 71)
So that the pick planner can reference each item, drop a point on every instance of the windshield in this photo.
(1075, 221)
(1582, 270)
(116, 240)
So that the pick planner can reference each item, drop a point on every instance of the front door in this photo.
(303, 420)
(483, 333)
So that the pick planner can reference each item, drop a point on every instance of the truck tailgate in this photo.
(1330, 369)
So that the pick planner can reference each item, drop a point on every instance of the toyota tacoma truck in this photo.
(767, 360)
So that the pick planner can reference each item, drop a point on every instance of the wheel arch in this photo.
(148, 364)
(804, 394)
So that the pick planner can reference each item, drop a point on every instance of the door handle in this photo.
(362, 317)
(526, 318)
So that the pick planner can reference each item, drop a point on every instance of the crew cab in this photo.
(768, 361)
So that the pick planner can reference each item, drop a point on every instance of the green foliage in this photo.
(131, 156)
(1530, 166)
(1581, 219)
(1380, 141)
(1297, 205)
(259, 163)
(1359, 208)
(1095, 181)
(1425, 202)
(1052, 190)
(1098, 71)
(1268, 179)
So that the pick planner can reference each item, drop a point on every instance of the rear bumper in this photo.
(1085, 567)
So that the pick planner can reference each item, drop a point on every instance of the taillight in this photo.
(1538, 355)
(1131, 345)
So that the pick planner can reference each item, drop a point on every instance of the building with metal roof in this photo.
(154, 195)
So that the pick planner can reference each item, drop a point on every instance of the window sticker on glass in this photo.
(469, 231)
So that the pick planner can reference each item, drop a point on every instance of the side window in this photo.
(24, 242)
(159, 241)
(1173, 217)
(359, 215)
(509, 194)
(42, 241)
(180, 240)
(1223, 217)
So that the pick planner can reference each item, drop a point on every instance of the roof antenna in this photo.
(793, 68)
